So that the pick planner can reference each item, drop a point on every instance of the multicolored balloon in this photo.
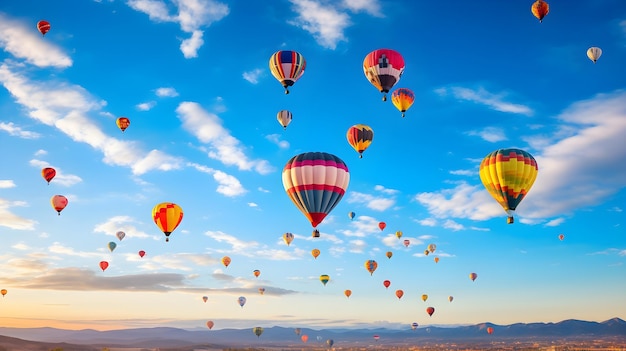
(351, 215)
(167, 216)
(43, 27)
(473, 276)
(122, 123)
(324, 278)
(287, 67)
(58, 202)
(111, 245)
(256, 273)
(540, 9)
(257, 331)
(284, 117)
(315, 182)
(48, 173)
(288, 238)
(241, 301)
(383, 68)
(360, 137)
(205, 299)
(402, 99)
(226, 261)
(594, 53)
(371, 266)
(414, 325)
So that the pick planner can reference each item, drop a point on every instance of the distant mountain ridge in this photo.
(175, 337)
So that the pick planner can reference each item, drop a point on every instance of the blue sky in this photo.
(193, 77)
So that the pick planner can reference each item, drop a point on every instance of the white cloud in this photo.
(253, 76)
(14, 130)
(6, 184)
(362, 226)
(386, 190)
(10, 220)
(146, 106)
(124, 224)
(481, 96)
(20, 40)
(166, 92)
(275, 138)
(325, 22)
(228, 185)
(555, 222)
(370, 6)
(207, 127)
(490, 134)
(190, 46)
(370, 201)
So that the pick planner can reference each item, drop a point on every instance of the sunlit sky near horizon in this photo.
(193, 78)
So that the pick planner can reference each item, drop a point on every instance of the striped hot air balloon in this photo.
(402, 99)
(360, 137)
(287, 67)
(383, 68)
(167, 216)
(371, 266)
(315, 182)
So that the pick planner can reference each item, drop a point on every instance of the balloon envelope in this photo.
(205, 299)
(48, 173)
(104, 265)
(386, 283)
(167, 216)
(389, 254)
(287, 67)
(241, 300)
(225, 261)
(594, 53)
(256, 273)
(141, 253)
(371, 266)
(383, 68)
(540, 9)
(58, 202)
(288, 238)
(315, 253)
(284, 117)
(382, 225)
(473, 276)
(257, 331)
(414, 325)
(402, 99)
(111, 245)
(304, 338)
(43, 27)
(210, 324)
(351, 215)
(120, 235)
(3, 292)
(324, 278)
(360, 137)
(347, 292)
(399, 294)
(430, 310)
(122, 123)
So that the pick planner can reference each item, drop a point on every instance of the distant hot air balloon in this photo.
(111, 245)
(594, 53)
(324, 278)
(122, 123)
(48, 173)
(561, 237)
(287, 67)
(473, 276)
(315, 182)
(371, 266)
(167, 216)
(3, 292)
(256, 273)
(376, 337)
(386, 283)
(297, 331)
(424, 297)
(288, 238)
(360, 137)
(330, 342)
(389, 254)
(398, 234)
(436, 259)
(241, 301)
(382, 226)
(58, 202)
(414, 325)
(304, 338)
(315, 233)
(43, 27)
(432, 248)
(383, 68)
(347, 292)
(104, 265)
(284, 117)
(351, 215)
(257, 331)
(142, 253)
(508, 175)
(402, 99)
(489, 330)
(540, 9)
(430, 311)
(407, 242)
(261, 291)
(205, 298)
(225, 261)
(315, 253)
(450, 298)
(426, 252)
(399, 294)
(210, 324)
(120, 235)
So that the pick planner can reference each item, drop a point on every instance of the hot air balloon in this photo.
(473, 276)
(122, 123)
(376, 337)
(257, 331)
(111, 245)
(407, 242)
(371, 266)
(256, 273)
(287, 67)
(43, 27)
(225, 261)
(3, 292)
(383, 68)
(561, 237)
(450, 298)
(315, 182)
(142, 253)
(594, 53)
(120, 235)
(360, 137)
(330, 342)
(508, 175)
(402, 99)
(205, 298)
(324, 278)
(288, 238)
(58, 203)
(489, 330)
(389, 254)
(436, 259)
(241, 301)
(540, 9)
(424, 297)
(398, 234)
(399, 294)
(167, 216)
(297, 331)
(261, 291)
(426, 252)
(284, 117)
(432, 248)
(414, 325)
(315, 253)
(104, 265)
(304, 338)
(347, 292)
(430, 311)
(386, 283)
(315, 233)
(382, 226)
(351, 215)
(48, 173)
(210, 324)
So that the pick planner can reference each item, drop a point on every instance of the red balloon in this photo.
(104, 265)
(142, 253)
(48, 173)
(386, 283)
(382, 225)
(58, 202)
(43, 27)
(430, 311)
(399, 294)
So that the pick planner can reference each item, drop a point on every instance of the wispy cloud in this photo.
(481, 96)
(6, 184)
(10, 220)
(228, 185)
(14, 130)
(166, 92)
(275, 138)
(146, 106)
(490, 134)
(124, 224)
(253, 76)
(372, 202)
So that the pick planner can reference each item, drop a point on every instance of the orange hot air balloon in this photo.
(489, 330)
(210, 324)
(360, 137)
(424, 297)
(371, 266)
(561, 237)
(167, 216)
(389, 254)
(315, 253)
(402, 99)
(104, 265)
(304, 338)
(225, 261)
(122, 123)
(43, 27)
(3, 292)
(256, 273)
(399, 294)
(48, 174)
(436, 259)
(58, 202)
(473, 276)
(142, 253)
(430, 311)
(540, 9)
(386, 283)
(348, 292)
(382, 226)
